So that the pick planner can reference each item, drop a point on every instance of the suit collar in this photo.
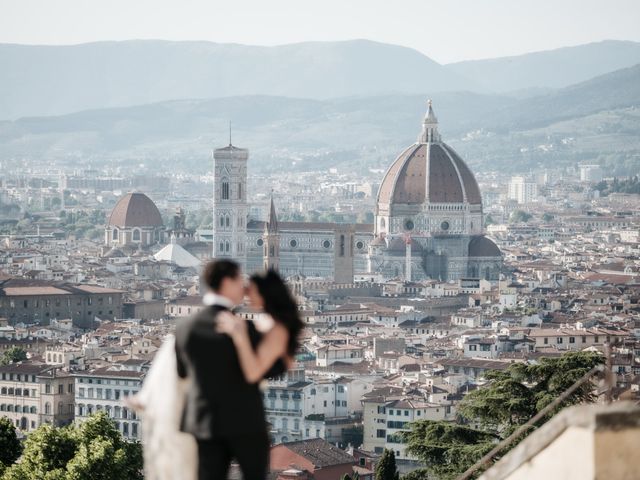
(211, 299)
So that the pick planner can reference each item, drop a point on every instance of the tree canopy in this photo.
(10, 447)
(13, 355)
(94, 450)
(509, 399)
(386, 467)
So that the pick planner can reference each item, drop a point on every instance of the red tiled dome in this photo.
(135, 210)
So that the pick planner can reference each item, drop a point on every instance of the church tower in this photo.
(271, 240)
(230, 208)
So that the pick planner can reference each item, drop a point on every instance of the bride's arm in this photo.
(256, 363)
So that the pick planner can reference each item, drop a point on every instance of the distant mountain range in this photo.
(600, 115)
(55, 80)
(551, 69)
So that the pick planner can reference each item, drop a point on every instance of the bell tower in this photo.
(230, 207)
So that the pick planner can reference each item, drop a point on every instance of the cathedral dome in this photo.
(429, 171)
(481, 246)
(135, 210)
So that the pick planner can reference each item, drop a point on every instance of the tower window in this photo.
(221, 247)
(222, 221)
(225, 190)
(342, 245)
(228, 221)
(240, 191)
(227, 247)
(114, 234)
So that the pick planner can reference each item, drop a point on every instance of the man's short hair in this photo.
(217, 270)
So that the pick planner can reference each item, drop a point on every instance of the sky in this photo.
(445, 30)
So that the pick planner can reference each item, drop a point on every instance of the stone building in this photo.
(33, 394)
(105, 389)
(134, 221)
(34, 301)
(429, 221)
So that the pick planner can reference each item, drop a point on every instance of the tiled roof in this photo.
(319, 452)
(135, 210)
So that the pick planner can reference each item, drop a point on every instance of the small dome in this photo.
(481, 246)
(135, 210)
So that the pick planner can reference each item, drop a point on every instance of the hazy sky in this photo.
(445, 30)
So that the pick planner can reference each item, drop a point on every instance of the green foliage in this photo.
(10, 447)
(13, 355)
(353, 436)
(516, 394)
(447, 449)
(627, 185)
(386, 466)
(520, 216)
(419, 474)
(92, 450)
(46, 450)
(510, 398)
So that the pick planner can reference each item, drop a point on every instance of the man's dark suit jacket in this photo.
(220, 403)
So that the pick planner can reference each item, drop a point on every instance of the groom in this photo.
(222, 410)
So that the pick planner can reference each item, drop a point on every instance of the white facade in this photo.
(522, 190)
(106, 390)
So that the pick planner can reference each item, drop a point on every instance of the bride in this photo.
(170, 454)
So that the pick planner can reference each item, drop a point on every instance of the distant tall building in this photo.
(230, 208)
(428, 219)
(590, 173)
(428, 223)
(523, 190)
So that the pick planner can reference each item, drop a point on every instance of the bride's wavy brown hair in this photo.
(280, 304)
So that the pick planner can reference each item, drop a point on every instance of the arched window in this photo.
(225, 190)
(226, 247)
(4, 390)
(3, 408)
(11, 392)
(240, 191)
(222, 220)
(136, 235)
(114, 234)
(47, 408)
(60, 408)
(221, 247)
(228, 221)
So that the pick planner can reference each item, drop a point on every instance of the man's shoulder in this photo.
(185, 326)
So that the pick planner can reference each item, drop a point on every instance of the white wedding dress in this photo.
(169, 454)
